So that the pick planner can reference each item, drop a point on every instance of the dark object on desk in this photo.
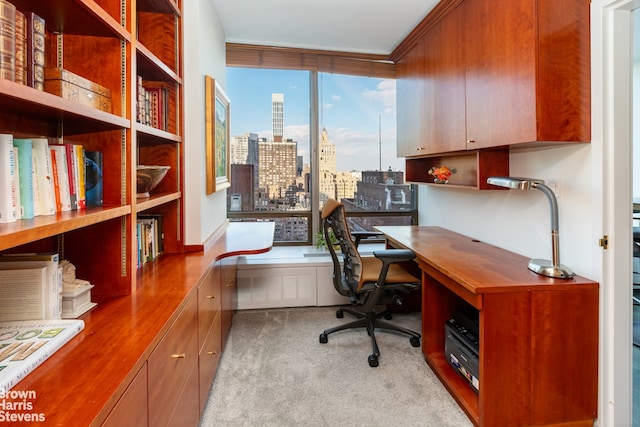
(369, 282)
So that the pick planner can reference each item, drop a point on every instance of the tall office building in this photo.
(327, 172)
(277, 171)
(240, 148)
(277, 115)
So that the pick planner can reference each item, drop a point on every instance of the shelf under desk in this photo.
(538, 336)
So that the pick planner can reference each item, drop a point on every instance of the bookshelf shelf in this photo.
(26, 231)
(80, 17)
(152, 68)
(156, 200)
(153, 135)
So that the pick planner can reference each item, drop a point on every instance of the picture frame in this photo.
(217, 137)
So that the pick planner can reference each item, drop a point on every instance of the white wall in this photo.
(520, 220)
(204, 54)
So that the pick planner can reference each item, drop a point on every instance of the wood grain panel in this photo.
(127, 411)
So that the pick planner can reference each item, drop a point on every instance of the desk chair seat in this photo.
(370, 282)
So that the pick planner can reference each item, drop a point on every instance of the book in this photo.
(25, 345)
(7, 40)
(21, 49)
(25, 176)
(80, 179)
(8, 207)
(16, 181)
(24, 291)
(71, 173)
(44, 176)
(93, 178)
(63, 174)
(56, 182)
(35, 34)
(158, 230)
(50, 260)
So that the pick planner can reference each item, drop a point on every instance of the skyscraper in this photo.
(277, 113)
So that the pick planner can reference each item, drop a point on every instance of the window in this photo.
(278, 172)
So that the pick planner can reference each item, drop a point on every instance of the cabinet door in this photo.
(410, 102)
(171, 364)
(229, 291)
(444, 79)
(131, 409)
(500, 38)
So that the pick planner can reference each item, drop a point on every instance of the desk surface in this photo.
(478, 266)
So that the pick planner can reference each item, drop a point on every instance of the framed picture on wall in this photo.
(216, 136)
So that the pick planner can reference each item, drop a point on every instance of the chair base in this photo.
(370, 320)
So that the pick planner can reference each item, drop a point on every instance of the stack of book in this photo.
(152, 105)
(22, 46)
(150, 237)
(39, 178)
(31, 287)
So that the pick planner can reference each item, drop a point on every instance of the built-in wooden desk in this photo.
(538, 336)
(82, 383)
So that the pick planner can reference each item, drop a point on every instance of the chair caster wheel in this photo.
(339, 314)
(373, 361)
(415, 342)
(324, 338)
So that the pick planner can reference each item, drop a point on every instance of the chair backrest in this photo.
(347, 274)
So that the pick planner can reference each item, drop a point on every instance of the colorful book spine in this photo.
(63, 175)
(56, 182)
(79, 168)
(26, 344)
(25, 176)
(93, 178)
(8, 206)
(7, 40)
(35, 50)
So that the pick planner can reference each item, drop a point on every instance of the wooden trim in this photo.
(441, 10)
(352, 63)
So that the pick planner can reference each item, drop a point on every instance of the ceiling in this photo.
(366, 26)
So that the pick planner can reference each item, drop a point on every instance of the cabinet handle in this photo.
(231, 284)
(211, 353)
(420, 149)
(471, 141)
(210, 297)
(178, 356)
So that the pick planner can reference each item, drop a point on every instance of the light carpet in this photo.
(275, 372)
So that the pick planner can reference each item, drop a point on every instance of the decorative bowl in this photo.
(148, 177)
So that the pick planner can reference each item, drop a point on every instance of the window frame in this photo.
(314, 61)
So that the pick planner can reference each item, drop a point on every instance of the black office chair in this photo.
(370, 282)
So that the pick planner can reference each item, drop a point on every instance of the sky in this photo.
(354, 108)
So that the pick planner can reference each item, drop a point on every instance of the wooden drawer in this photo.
(131, 409)
(171, 363)
(208, 359)
(186, 411)
(208, 302)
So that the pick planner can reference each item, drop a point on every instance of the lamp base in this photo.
(546, 268)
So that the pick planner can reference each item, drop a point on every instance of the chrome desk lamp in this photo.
(551, 268)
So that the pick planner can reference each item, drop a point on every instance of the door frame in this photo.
(611, 33)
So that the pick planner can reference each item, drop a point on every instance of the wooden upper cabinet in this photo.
(445, 85)
(410, 102)
(527, 75)
(494, 74)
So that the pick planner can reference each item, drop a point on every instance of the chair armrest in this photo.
(392, 256)
(361, 235)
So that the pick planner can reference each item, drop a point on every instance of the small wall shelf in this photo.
(473, 168)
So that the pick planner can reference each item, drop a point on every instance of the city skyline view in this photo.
(353, 110)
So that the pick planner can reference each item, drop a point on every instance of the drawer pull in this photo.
(471, 141)
(211, 353)
(178, 356)
(231, 284)
(210, 297)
